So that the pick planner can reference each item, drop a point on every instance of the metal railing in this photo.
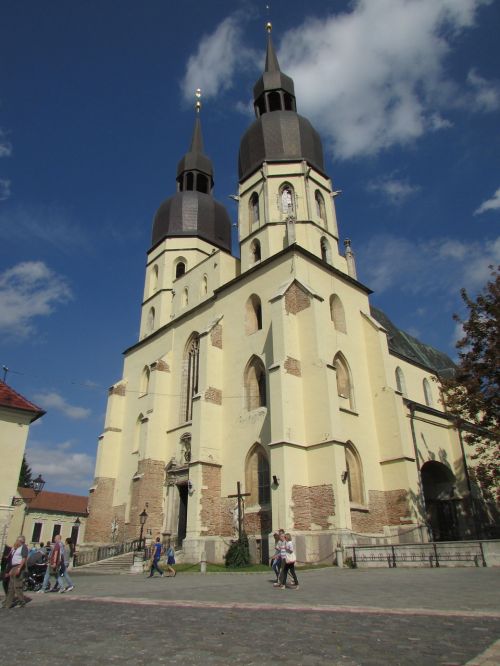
(431, 554)
(105, 552)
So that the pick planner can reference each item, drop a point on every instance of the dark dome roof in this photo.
(279, 136)
(192, 213)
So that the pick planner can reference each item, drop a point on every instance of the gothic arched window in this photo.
(344, 382)
(354, 474)
(254, 208)
(204, 286)
(427, 393)
(337, 314)
(326, 254)
(145, 381)
(253, 314)
(255, 250)
(190, 370)
(400, 381)
(151, 319)
(255, 384)
(154, 279)
(180, 268)
(185, 297)
(274, 101)
(202, 183)
(320, 206)
(287, 196)
(257, 476)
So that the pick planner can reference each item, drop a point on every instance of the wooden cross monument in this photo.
(240, 497)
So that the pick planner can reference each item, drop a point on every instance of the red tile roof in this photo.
(60, 502)
(13, 400)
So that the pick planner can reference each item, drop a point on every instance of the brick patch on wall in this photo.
(213, 395)
(216, 336)
(101, 511)
(161, 366)
(148, 488)
(117, 390)
(296, 299)
(312, 506)
(292, 366)
(258, 523)
(384, 508)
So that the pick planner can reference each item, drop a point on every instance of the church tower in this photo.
(270, 373)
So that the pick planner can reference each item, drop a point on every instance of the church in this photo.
(272, 370)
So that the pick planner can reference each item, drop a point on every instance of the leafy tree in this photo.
(473, 395)
(25, 475)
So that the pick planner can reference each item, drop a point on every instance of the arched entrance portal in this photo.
(439, 484)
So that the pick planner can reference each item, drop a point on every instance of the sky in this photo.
(97, 108)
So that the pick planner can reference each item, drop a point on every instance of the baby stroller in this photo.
(34, 575)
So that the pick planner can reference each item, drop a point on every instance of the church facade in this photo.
(273, 370)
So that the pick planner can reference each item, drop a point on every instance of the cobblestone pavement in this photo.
(354, 618)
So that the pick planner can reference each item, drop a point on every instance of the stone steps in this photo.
(117, 564)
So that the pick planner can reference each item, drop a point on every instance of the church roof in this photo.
(405, 345)
(10, 399)
(60, 502)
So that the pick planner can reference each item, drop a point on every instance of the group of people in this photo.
(283, 560)
(16, 561)
(157, 551)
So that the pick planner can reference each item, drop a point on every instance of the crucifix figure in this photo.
(240, 497)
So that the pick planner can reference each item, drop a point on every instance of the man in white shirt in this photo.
(18, 557)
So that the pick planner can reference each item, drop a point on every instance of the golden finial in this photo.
(197, 94)
(269, 26)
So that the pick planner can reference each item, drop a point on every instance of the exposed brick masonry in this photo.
(160, 366)
(312, 507)
(292, 366)
(102, 512)
(296, 299)
(119, 389)
(148, 488)
(213, 395)
(384, 508)
(216, 336)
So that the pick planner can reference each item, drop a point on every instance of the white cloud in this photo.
(27, 290)
(369, 78)
(485, 95)
(394, 189)
(490, 204)
(5, 145)
(52, 400)
(214, 65)
(437, 268)
(60, 466)
(4, 189)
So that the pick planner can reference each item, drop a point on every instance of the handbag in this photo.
(290, 558)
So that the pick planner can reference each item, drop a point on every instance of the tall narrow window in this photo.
(37, 531)
(151, 320)
(204, 286)
(189, 181)
(253, 314)
(202, 183)
(254, 208)
(185, 297)
(354, 474)
(274, 101)
(145, 381)
(320, 206)
(190, 376)
(286, 194)
(427, 393)
(255, 251)
(257, 476)
(288, 102)
(138, 438)
(255, 384)
(337, 314)
(400, 381)
(344, 382)
(180, 268)
(154, 279)
(326, 254)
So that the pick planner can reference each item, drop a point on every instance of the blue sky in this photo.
(96, 109)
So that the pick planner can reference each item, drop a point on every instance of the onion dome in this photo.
(193, 211)
(279, 134)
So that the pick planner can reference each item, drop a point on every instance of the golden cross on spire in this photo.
(197, 94)
(269, 25)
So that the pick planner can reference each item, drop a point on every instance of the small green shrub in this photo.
(238, 554)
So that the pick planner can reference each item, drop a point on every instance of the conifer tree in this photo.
(25, 474)
(473, 395)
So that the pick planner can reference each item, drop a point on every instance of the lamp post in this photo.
(37, 487)
(142, 519)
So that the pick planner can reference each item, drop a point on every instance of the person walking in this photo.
(46, 579)
(157, 548)
(170, 559)
(18, 558)
(281, 555)
(54, 563)
(276, 558)
(290, 560)
(66, 552)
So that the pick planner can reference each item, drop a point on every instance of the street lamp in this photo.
(37, 487)
(142, 519)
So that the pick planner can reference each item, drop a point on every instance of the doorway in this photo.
(183, 509)
(439, 485)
